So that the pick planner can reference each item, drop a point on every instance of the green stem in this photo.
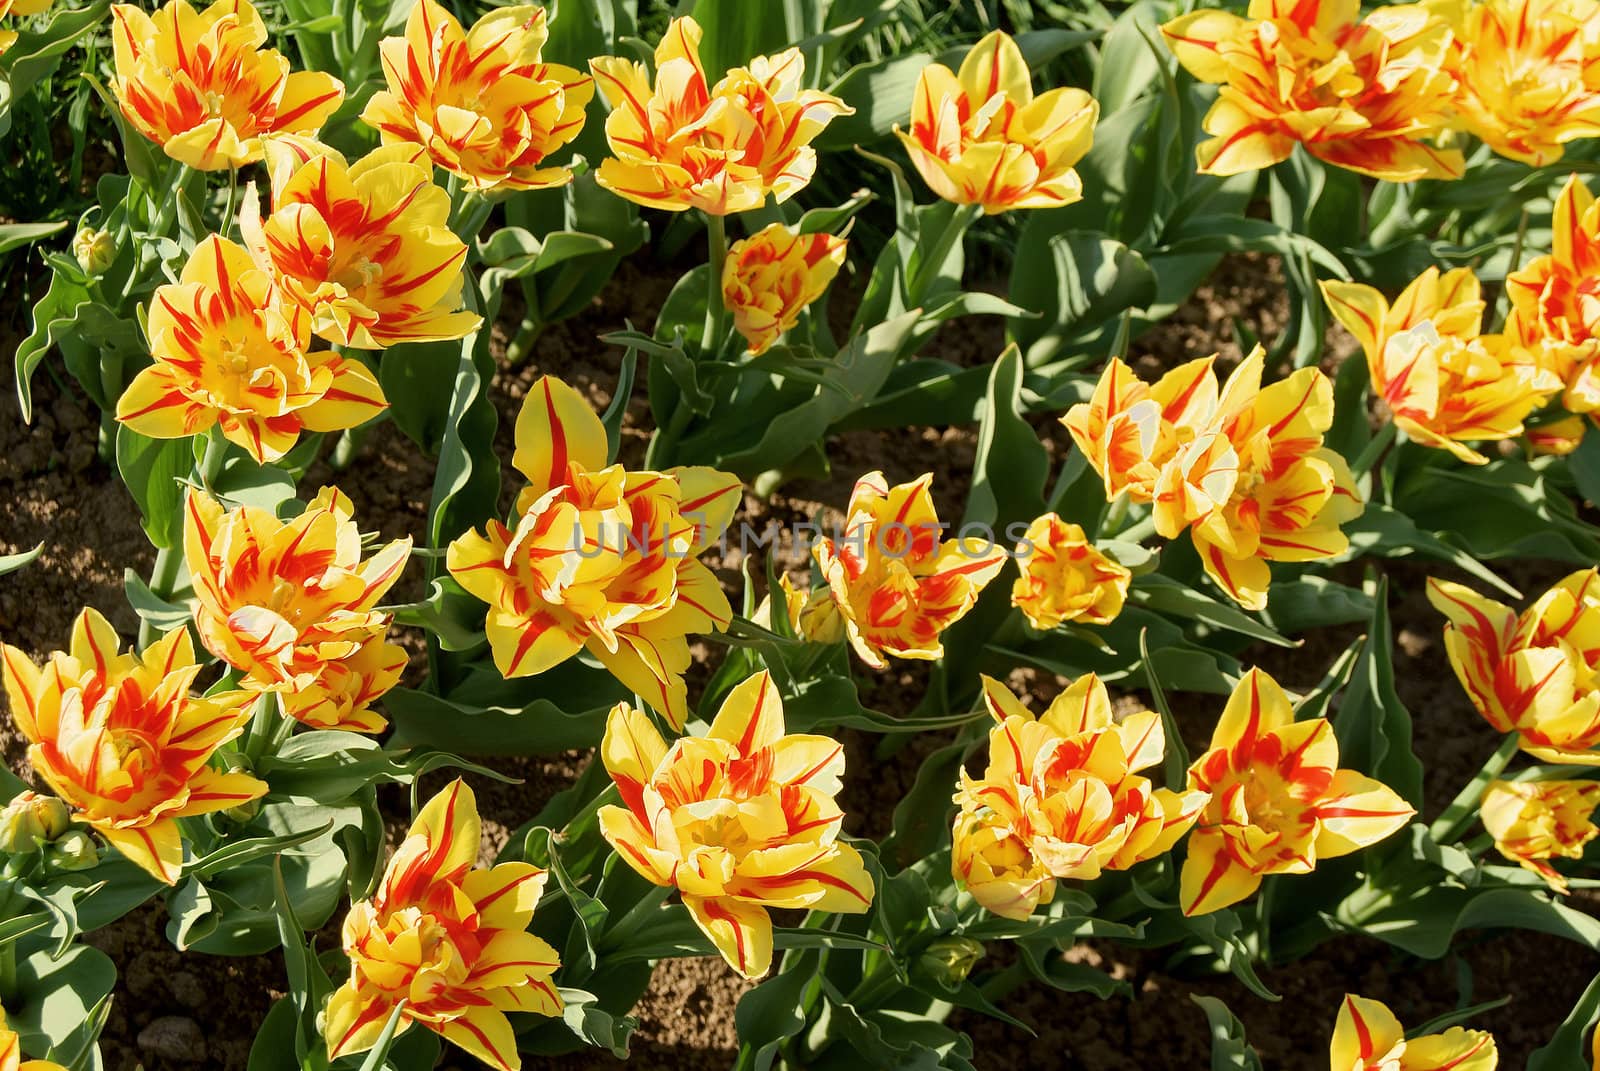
(169, 560)
(1376, 447)
(715, 327)
(928, 270)
(663, 444)
(348, 446)
(1137, 532)
(1457, 817)
(617, 936)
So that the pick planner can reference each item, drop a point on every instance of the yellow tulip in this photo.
(1536, 674)
(11, 1045)
(723, 148)
(1533, 822)
(1278, 801)
(202, 87)
(1365, 95)
(600, 557)
(769, 278)
(740, 820)
(1558, 437)
(1064, 578)
(895, 584)
(448, 939)
(980, 137)
(481, 102)
(1062, 799)
(119, 738)
(290, 604)
(364, 248)
(1556, 297)
(1367, 1037)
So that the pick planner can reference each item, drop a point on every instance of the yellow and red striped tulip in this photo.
(1444, 383)
(10, 1044)
(230, 349)
(1533, 822)
(1557, 437)
(1367, 1037)
(719, 148)
(980, 137)
(1557, 296)
(1536, 674)
(1364, 94)
(201, 86)
(769, 278)
(1065, 578)
(481, 102)
(284, 602)
(119, 738)
(600, 557)
(896, 585)
(1527, 75)
(448, 939)
(740, 820)
(365, 248)
(1061, 798)
(7, 39)
(1278, 801)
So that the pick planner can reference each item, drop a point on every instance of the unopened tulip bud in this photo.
(31, 820)
(94, 250)
(950, 959)
(75, 851)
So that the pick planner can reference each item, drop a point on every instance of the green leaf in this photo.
(10, 563)
(583, 1015)
(1175, 760)
(1009, 473)
(771, 1013)
(57, 995)
(35, 53)
(1229, 1050)
(412, 375)
(152, 470)
(53, 317)
(881, 92)
(1165, 595)
(1373, 726)
(1090, 282)
(1313, 602)
(1566, 1049)
(466, 484)
(16, 235)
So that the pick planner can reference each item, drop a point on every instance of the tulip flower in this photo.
(481, 102)
(1521, 66)
(230, 349)
(1365, 95)
(723, 148)
(1278, 801)
(7, 39)
(31, 821)
(1367, 1037)
(1444, 384)
(1533, 822)
(1557, 297)
(895, 584)
(202, 87)
(364, 248)
(740, 820)
(11, 1045)
(1536, 674)
(1062, 799)
(447, 938)
(290, 604)
(980, 137)
(600, 557)
(1558, 437)
(812, 614)
(1064, 578)
(119, 738)
(769, 278)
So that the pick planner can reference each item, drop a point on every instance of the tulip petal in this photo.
(354, 1020)
(485, 1033)
(1357, 811)
(211, 790)
(1365, 1031)
(156, 848)
(751, 717)
(557, 430)
(1212, 876)
(741, 932)
(1256, 707)
(632, 751)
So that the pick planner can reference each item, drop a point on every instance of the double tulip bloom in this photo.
(1444, 383)
(1533, 822)
(599, 557)
(979, 136)
(119, 738)
(769, 278)
(1062, 799)
(895, 584)
(1241, 466)
(1368, 1037)
(740, 820)
(480, 102)
(10, 1044)
(720, 148)
(1065, 578)
(201, 86)
(1536, 674)
(1363, 94)
(1278, 802)
(448, 939)
(290, 604)
(1557, 296)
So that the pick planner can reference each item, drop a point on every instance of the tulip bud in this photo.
(75, 851)
(31, 820)
(949, 960)
(94, 250)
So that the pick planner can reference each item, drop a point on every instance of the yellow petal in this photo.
(1212, 878)
(1256, 707)
(557, 430)
(157, 848)
(741, 932)
(751, 717)
(1365, 1031)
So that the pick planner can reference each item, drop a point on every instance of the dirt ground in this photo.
(176, 1013)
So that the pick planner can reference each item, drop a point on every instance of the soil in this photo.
(175, 1012)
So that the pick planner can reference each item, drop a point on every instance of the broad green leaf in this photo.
(152, 469)
(1229, 1050)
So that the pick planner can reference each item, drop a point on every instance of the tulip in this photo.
(230, 349)
(481, 102)
(31, 821)
(1558, 437)
(895, 584)
(769, 278)
(119, 738)
(202, 87)
(1365, 95)
(722, 149)
(1533, 822)
(11, 1045)
(812, 615)
(1367, 1037)
(1278, 801)
(448, 939)
(980, 137)
(1536, 674)
(290, 604)
(94, 250)
(600, 557)
(364, 248)
(1064, 578)
(1062, 799)
(740, 820)
(1556, 295)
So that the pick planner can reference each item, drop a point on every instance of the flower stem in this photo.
(1375, 449)
(1457, 817)
(715, 327)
